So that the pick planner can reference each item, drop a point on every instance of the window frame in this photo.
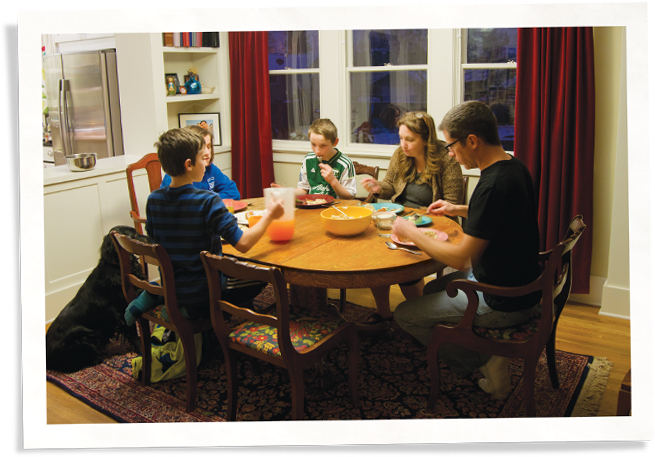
(445, 74)
(463, 66)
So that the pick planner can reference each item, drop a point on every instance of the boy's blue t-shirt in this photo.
(214, 180)
(185, 221)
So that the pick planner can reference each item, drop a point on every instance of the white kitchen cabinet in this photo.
(79, 210)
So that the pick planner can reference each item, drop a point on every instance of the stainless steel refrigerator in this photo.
(83, 104)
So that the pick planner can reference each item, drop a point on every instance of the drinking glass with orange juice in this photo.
(282, 228)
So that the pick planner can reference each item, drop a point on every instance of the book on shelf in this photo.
(191, 39)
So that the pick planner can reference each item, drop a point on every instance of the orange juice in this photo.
(280, 230)
(252, 220)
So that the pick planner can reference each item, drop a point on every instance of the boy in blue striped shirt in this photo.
(185, 221)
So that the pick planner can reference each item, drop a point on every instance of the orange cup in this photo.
(252, 220)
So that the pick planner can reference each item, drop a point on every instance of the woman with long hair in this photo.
(420, 172)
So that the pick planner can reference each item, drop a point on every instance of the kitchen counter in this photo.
(109, 165)
(79, 210)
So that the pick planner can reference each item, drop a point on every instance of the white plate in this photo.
(242, 217)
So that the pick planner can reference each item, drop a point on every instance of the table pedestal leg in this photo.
(309, 297)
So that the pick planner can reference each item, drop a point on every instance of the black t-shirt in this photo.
(503, 211)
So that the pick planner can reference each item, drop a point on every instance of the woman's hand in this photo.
(372, 185)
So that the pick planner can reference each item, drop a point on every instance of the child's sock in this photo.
(141, 304)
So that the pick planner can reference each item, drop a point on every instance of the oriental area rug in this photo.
(394, 383)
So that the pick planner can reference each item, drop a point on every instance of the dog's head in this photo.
(108, 251)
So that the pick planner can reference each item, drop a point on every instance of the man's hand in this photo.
(404, 229)
(444, 208)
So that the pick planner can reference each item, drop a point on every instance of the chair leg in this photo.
(232, 375)
(297, 393)
(189, 346)
(433, 367)
(529, 373)
(552, 360)
(146, 353)
(342, 299)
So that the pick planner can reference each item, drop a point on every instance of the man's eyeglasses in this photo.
(449, 145)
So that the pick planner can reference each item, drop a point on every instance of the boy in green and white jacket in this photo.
(326, 170)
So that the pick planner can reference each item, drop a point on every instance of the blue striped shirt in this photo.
(185, 221)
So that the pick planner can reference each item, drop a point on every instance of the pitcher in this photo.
(282, 228)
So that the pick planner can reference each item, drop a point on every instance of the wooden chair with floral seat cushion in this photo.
(167, 315)
(526, 341)
(291, 341)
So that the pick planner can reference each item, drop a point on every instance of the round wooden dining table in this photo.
(315, 260)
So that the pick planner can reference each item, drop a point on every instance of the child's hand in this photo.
(275, 185)
(372, 185)
(327, 173)
(275, 209)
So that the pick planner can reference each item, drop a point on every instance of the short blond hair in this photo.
(324, 127)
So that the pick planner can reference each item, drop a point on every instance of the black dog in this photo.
(78, 336)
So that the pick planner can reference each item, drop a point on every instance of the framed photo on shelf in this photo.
(209, 121)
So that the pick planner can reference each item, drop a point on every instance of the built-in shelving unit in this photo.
(144, 58)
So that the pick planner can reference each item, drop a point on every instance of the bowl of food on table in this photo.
(351, 220)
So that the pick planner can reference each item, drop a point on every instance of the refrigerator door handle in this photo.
(105, 102)
(64, 120)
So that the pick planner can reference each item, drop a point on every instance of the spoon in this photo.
(347, 217)
(390, 245)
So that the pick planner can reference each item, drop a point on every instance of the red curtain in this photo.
(252, 138)
(554, 125)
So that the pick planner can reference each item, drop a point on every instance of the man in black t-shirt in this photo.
(500, 245)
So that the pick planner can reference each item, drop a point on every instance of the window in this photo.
(365, 79)
(387, 76)
(293, 64)
(489, 75)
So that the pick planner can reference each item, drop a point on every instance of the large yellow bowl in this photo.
(346, 227)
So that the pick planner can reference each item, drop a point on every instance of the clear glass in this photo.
(491, 45)
(496, 88)
(295, 49)
(378, 99)
(375, 48)
(295, 104)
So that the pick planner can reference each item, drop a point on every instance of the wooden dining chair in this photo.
(361, 169)
(291, 341)
(149, 162)
(184, 328)
(526, 341)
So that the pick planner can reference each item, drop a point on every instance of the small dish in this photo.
(420, 221)
(393, 207)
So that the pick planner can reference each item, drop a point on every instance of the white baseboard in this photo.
(595, 295)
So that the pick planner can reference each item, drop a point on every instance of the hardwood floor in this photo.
(581, 330)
